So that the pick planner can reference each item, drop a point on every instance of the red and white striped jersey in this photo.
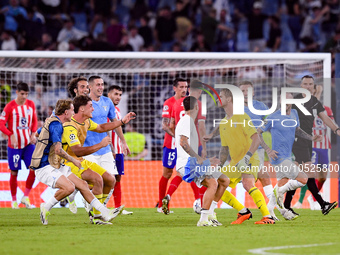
(116, 142)
(21, 121)
(320, 128)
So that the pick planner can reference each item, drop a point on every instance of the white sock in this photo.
(291, 185)
(268, 190)
(50, 203)
(212, 207)
(95, 203)
(204, 215)
(73, 195)
(243, 210)
(108, 197)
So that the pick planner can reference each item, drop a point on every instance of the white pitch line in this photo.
(263, 251)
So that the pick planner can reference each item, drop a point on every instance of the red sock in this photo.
(13, 185)
(29, 183)
(174, 185)
(163, 184)
(117, 195)
(195, 190)
(202, 191)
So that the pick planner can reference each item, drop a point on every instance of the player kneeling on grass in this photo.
(46, 162)
(189, 165)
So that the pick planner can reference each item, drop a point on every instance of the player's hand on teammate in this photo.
(105, 142)
(317, 138)
(206, 138)
(77, 163)
(272, 154)
(128, 117)
(214, 161)
(14, 141)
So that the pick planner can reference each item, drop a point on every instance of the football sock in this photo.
(50, 203)
(13, 183)
(73, 195)
(97, 205)
(319, 185)
(212, 207)
(29, 182)
(289, 198)
(95, 211)
(231, 200)
(176, 181)
(204, 215)
(303, 193)
(117, 195)
(104, 198)
(315, 191)
(195, 189)
(259, 201)
(163, 183)
(291, 185)
(268, 190)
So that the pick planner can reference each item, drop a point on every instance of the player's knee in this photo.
(247, 185)
(82, 185)
(97, 181)
(224, 181)
(167, 173)
(70, 188)
(109, 180)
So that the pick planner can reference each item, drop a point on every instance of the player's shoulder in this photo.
(328, 110)
(29, 102)
(259, 105)
(169, 101)
(11, 104)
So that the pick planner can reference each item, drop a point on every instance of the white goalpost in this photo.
(146, 78)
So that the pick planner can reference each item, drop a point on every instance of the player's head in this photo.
(115, 94)
(288, 106)
(78, 86)
(196, 88)
(64, 107)
(244, 85)
(22, 92)
(96, 85)
(190, 103)
(226, 98)
(307, 82)
(180, 86)
(83, 104)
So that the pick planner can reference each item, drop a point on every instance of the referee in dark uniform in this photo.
(302, 148)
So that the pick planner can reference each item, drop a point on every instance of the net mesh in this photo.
(147, 83)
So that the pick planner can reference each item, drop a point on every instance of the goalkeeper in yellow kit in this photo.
(240, 139)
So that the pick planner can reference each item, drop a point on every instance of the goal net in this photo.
(146, 79)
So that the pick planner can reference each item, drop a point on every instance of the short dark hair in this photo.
(73, 84)
(79, 101)
(307, 77)
(116, 87)
(94, 77)
(177, 80)
(62, 105)
(245, 83)
(189, 103)
(22, 86)
(195, 85)
(228, 93)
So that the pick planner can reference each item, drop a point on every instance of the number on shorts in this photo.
(172, 156)
(16, 158)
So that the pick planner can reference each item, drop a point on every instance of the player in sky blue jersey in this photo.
(283, 129)
(104, 110)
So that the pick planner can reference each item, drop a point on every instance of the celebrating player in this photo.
(46, 162)
(74, 136)
(21, 119)
(115, 94)
(240, 139)
(180, 87)
(187, 150)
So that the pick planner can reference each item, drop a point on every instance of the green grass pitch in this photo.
(148, 232)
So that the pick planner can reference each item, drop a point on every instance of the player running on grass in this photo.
(187, 152)
(46, 163)
(241, 140)
(21, 119)
(74, 136)
(280, 155)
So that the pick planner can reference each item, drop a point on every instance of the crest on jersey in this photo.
(104, 107)
(28, 111)
(23, 121)
(72, 137)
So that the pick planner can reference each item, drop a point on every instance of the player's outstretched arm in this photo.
(300, 133)
(166, 127)
(116, 123)
(81, 151)
(119, 132)
(58, 149)
(330, 123)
